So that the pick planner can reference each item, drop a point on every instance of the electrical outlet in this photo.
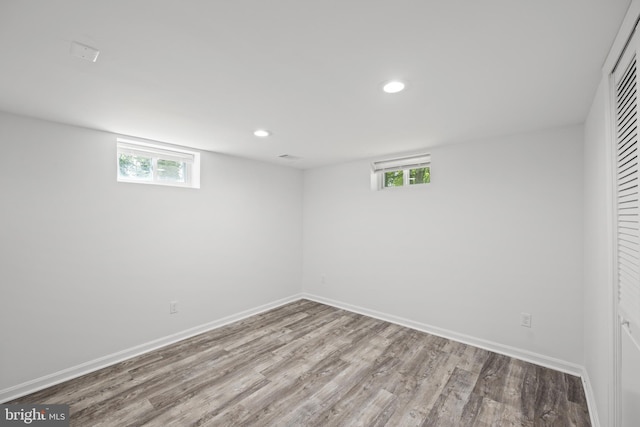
(173, 307)
(525, 320)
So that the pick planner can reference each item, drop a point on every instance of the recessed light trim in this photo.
(262, 133)
(393, 86)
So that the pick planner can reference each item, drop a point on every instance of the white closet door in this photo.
(625, 78)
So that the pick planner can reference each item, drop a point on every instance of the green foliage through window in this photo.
(132, 166)
(394, 179)
(420, 176)
(407, 177)
(171, 170)
(159, 164)
(401, 171)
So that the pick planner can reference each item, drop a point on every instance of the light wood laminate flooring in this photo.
(309, 364)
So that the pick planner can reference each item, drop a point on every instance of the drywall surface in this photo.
(496, 233)
(88, 265)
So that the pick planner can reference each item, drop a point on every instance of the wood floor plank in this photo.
(374, 411)
(210, 402)
(470, 358)
(126, 416)
(317, 408)
(513, 385)
(430, 384)
(496, 414)
(493, 377)
(309, 364)
(552, 405)
(291, 391)
(449, 408)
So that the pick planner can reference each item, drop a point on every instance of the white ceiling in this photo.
(207, 73)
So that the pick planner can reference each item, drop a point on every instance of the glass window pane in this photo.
(420, 176)
(394, 179)
(171, 170)
(137, 167)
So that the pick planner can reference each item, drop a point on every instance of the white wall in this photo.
(597, 259)
(497, 232)
(88, 265)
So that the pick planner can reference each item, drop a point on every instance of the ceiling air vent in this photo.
(289, 157)
(85, 52)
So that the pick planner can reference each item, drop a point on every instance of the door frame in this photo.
(623, 37)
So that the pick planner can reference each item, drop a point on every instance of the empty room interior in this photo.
(320, 213)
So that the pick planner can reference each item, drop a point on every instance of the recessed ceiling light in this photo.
(394, 86)
(262, 133)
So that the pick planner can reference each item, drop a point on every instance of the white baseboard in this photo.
(591, 399)
(34, 385)
(525, 355)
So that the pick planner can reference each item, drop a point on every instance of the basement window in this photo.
(401, 171)
(145, 162)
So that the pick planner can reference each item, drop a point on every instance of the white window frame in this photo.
(160, 151)
(404, 164)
